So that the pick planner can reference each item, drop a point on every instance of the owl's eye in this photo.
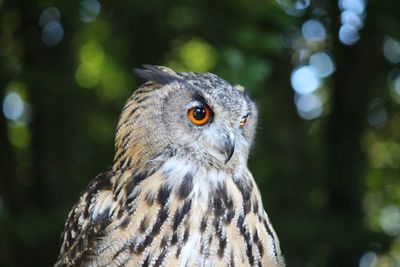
(199, 115)
(243, 121)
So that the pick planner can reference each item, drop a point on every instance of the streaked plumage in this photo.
(175, 195)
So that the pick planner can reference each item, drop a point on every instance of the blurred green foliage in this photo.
(330, 182)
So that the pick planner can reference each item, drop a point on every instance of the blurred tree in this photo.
(327, 154)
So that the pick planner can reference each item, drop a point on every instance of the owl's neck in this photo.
(187, 180)
(205, 187)
(201, 182)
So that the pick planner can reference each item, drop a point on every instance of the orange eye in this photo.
(242, 123)
(199, 115)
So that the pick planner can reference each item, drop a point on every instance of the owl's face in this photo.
(209, 117)
(199, 116)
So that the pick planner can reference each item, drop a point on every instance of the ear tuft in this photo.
(161, 75)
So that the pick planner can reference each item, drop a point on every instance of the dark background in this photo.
(324, 74)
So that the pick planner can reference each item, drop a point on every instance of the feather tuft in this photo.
(156, 74)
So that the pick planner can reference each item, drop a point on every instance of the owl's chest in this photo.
(187, 224)
(213, 236)
(222, 236)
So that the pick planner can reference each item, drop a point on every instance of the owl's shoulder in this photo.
(86, 220)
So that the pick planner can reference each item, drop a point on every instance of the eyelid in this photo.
(245, 116)
(198, 97)
(194, 104)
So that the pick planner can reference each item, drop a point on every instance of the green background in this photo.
(330, 183)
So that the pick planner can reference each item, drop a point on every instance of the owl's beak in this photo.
(229, 146)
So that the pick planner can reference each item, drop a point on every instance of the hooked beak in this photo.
(229, 146)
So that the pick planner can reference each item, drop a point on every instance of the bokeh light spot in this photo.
(352, 19)
(89, 10)
(234, 58)
(92, 57)
(348, 34)
(356, 6)
(384, 154)
(52, 33)
(87, 75)
(13, 106)
(304, 80)
(48, 15)
(322, 64)
(302, 4)
(19, 135)
(198, 55)
(377, 114)
(389, 220)
(391, 50)
(396, 85)
(92, 53)
(309, 106)
(313, 30)
(195, 55)
(368, 259)
(294, 8)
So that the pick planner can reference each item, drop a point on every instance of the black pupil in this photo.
(199, 113)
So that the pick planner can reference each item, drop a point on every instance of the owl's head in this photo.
(193, 116)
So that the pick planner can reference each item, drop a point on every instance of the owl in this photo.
(179, 192)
